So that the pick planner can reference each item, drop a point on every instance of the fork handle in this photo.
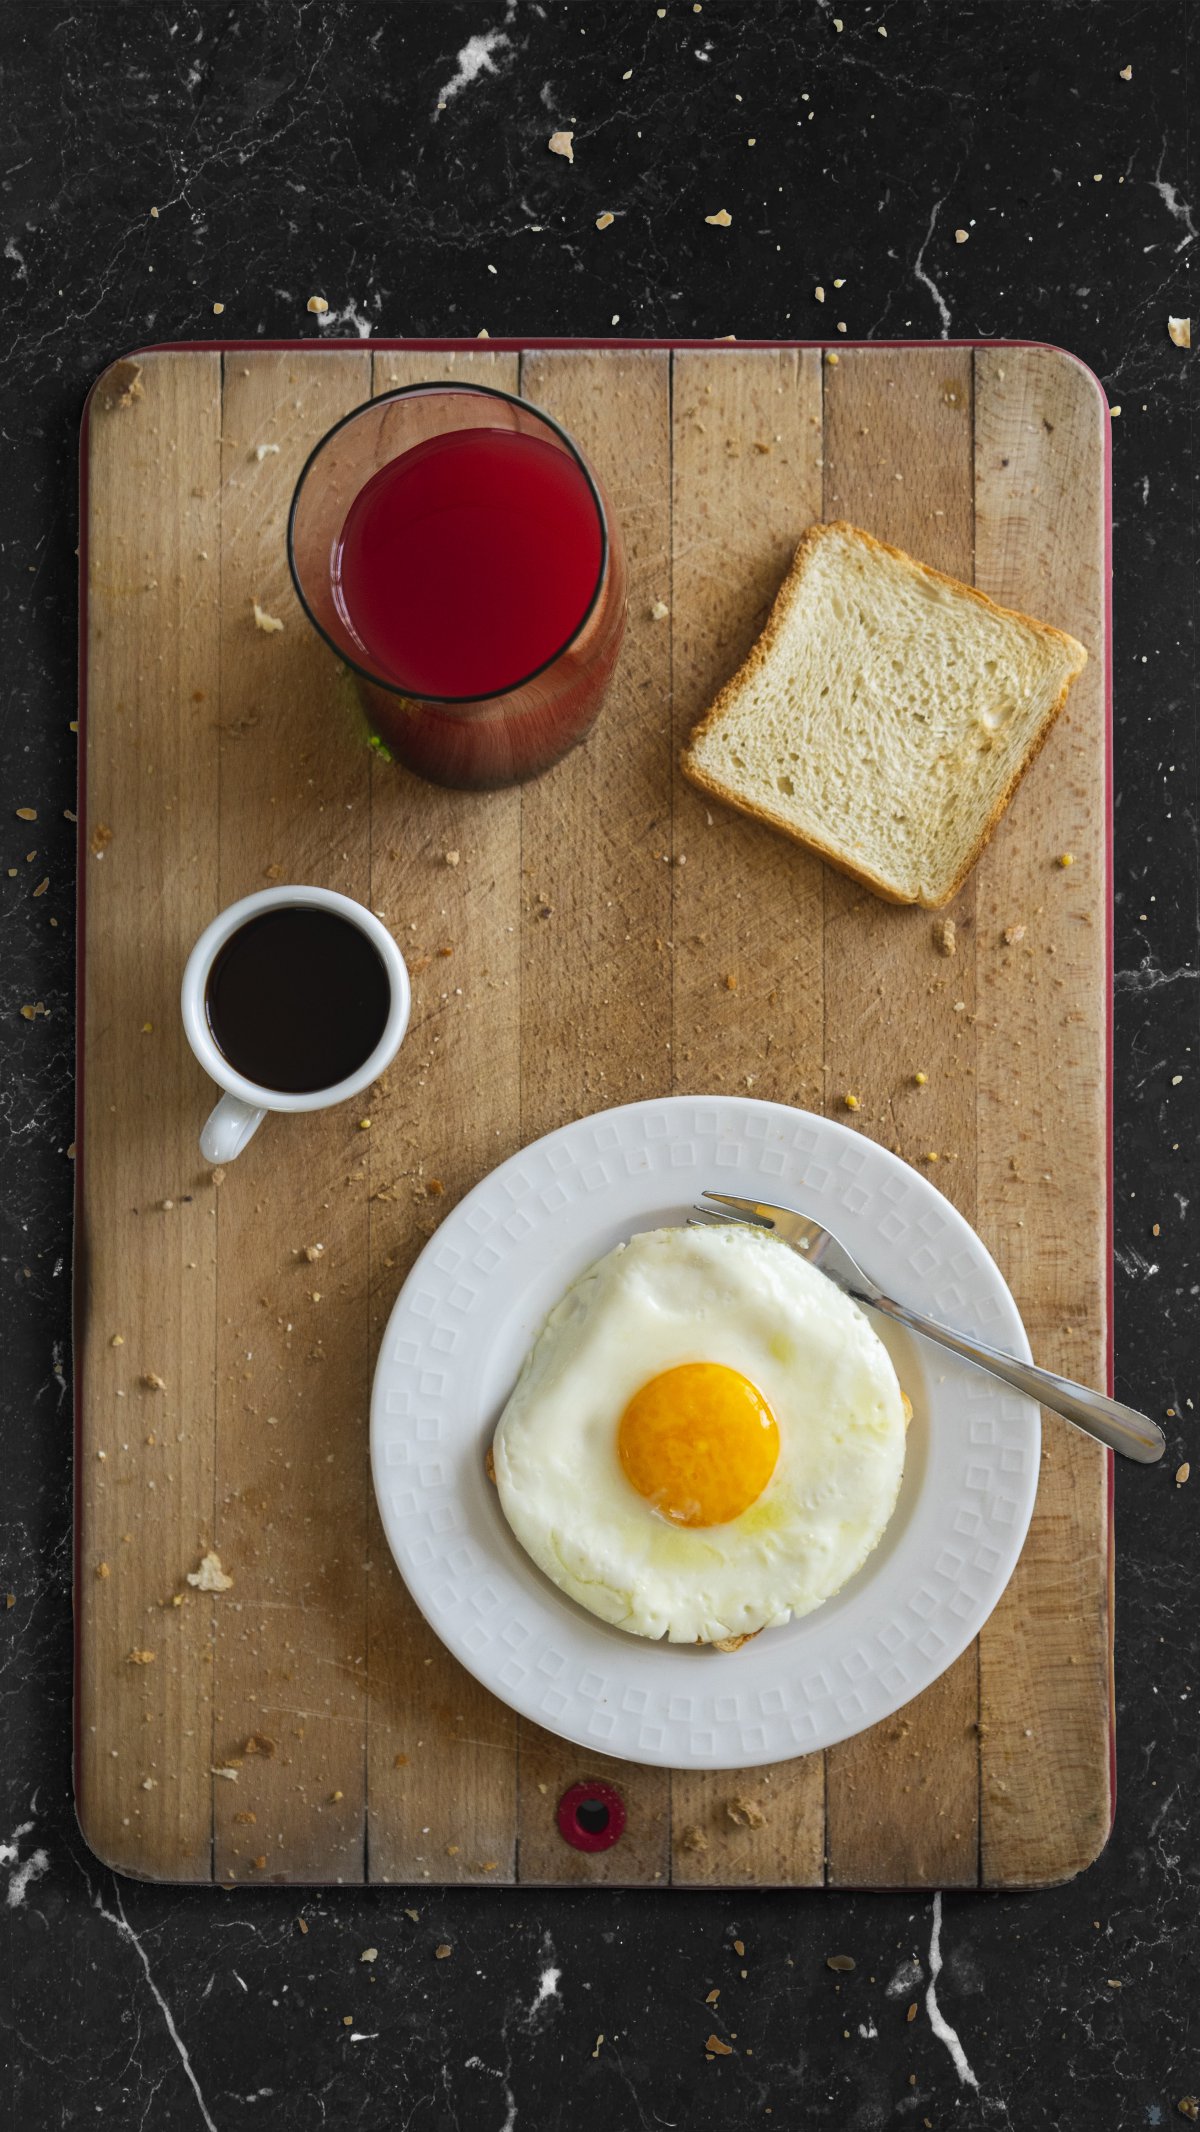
(1122, 1428)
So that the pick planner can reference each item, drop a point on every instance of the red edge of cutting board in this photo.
(517, 345)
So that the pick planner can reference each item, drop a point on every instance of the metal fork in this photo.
(1134, 1435)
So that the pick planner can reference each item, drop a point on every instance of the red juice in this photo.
(468, 562)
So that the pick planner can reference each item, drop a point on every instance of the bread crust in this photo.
(760, 655)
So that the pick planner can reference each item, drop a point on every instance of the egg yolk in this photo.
(699, 1442)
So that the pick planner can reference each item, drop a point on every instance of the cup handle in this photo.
(228, 1129)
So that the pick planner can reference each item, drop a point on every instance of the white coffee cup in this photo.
(245, 1104)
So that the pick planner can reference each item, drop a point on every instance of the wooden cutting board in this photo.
(602, 936)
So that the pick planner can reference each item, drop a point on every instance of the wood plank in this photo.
(595, 972)
(293, 1377)
(145, 1273)
(1046, 1654)
(441, 1751)
(898, 461)
(747, 919)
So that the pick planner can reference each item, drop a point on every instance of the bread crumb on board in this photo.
(124, 384)
(721, 220)
(268, 623)
(745, 1813)
(945, 938)
(210, 1577)
(1180, 330)
(562, 143)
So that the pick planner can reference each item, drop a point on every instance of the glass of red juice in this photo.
(452, 544)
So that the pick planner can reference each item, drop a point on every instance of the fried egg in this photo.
(706, 1439)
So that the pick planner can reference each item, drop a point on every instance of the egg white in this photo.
(734, 1296)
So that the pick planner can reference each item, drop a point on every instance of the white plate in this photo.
(456, 1339)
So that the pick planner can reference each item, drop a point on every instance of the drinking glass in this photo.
(513, 724)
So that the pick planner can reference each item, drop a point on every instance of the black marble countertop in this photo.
(392, 154)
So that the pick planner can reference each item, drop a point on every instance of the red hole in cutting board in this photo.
(591, 1815)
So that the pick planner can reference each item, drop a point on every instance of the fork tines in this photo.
(745, 1211)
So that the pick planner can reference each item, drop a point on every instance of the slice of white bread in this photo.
(885, 716)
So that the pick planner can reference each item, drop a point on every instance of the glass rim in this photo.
(486, 392)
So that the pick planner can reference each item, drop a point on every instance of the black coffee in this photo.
(297, 999)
